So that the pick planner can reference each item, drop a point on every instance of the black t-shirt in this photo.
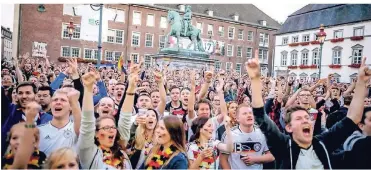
(177, 111)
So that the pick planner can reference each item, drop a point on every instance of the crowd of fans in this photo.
(77, 116)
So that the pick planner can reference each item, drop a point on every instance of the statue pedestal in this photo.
(183, 58)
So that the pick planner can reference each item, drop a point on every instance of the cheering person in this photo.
(24, 142)
(201, 148)
(105, 152)
(169, 150)
(143, 141)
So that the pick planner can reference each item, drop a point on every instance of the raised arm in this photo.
(223, 105)
(26, 146)
(292, 99)
(350, 89)
(73, 97)
(192, 97)
(161, 87)
(205, 85)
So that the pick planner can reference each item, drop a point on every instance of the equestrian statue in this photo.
(183, 28)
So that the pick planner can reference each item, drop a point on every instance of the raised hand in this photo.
(88, 80)
(32, 110)
(158, 76)
(364, 73)
(220, 86)
(133, 80)
(208, 76)
(73, 95)
(193, 78)
(253, 67)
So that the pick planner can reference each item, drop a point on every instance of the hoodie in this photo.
(357, 153)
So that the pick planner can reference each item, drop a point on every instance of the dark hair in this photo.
(197, 125)
(208, 94)
(46, 88)
(116, 147)
(176, 130)
(291, 110)
(204, 101)
(365, 110)
(185, 88)
(154, 91)
(173, 87)
(27, 83)
(348, 99)
(10, 91)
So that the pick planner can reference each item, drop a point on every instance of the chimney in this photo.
(210, 12)
(263, 22)
(181, 7)
(235, 17)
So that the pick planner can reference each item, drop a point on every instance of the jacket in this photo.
(179, 161)
(287, 150)
(357, 151)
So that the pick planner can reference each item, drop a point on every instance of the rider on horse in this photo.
(187, 18)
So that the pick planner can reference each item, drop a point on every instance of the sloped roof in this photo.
(313, 15)
(247, 12)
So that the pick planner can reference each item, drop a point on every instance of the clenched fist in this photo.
(32, 110)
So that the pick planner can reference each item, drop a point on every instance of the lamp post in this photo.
(70, 30)
(321, 35)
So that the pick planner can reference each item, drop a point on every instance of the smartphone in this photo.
(142, 112)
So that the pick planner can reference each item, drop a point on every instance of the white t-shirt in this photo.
(253, 143)
(216, 125)
(308, 159)
(52, 138)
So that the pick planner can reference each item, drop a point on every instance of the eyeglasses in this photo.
(108, 128)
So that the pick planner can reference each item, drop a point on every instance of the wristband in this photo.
(130, 94)
(30, 126)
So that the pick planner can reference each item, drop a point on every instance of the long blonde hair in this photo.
(140, 139)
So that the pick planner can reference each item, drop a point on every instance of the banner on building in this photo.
(39, 49)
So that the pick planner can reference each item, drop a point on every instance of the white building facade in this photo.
(297, 54)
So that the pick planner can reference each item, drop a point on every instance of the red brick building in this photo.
(136, 30)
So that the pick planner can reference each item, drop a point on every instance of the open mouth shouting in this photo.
(306, 130)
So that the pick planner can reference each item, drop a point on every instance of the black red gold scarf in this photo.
(110, 159)
(36, 161)
(159, 159)
(207, 162)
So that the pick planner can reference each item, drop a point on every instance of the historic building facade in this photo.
(348, 35)
(139, 30)
(6, 43)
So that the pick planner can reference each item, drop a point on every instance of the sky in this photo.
(277, 11)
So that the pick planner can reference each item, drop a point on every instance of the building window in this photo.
(283, 59)
(88, 53)
(240, 34)
(250, 36)
(218, 66)
(137, 18)
(229, 50)
(120, 15)
(117, 55)
(358, 31)
(295, 39)
(150, 20)
(221, 31)
(199, 26)
(315, 37)
(147, 61)
(163, 22)
(66, 52)
(338, 34)
(162, 41)
(357, 56)
(75, 52)
(109, 55)
(228, 66)
(76, 32)
(231, 33)
(263, 55)
(285, 40)
(336, 57)
(135, 39)
(294, 58)
(115, 36)
(210, 31)
(135, 58)
(239, 51)
(306, 38)
(304, 58)
(238, 67)
(315, 60)
(149, 40)
(248, 52)
(263, 39)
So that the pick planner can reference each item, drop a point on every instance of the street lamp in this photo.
(70, 30)
(321, 35)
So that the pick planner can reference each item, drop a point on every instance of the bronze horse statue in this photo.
(177, 30)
